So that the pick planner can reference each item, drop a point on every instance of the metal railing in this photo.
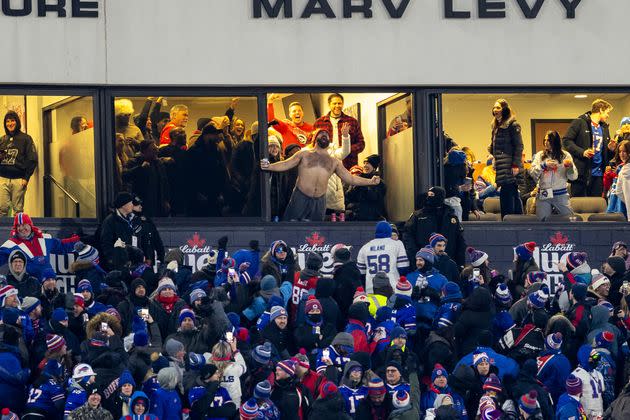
(77, 206)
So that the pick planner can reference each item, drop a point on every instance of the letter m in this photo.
(273, 11)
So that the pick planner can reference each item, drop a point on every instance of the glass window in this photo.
(189, 156)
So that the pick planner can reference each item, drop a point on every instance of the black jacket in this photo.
(113, 227)
(476, 316)
(176, 171)
(329, 408)
(330, 309)
(428, 220)
(347, 278)
(578, 138)
(507, 149)
(18, 157)
(282, 340)
(286, 397)
(367, 203)
(366, 409)
(150, 183)
(150, 240)
(26, 286)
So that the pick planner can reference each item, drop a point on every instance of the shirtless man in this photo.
(315, 166)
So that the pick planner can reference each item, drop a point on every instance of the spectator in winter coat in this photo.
(620, 408)
(332, 359)
(403, 311)
(553, 366)
(507, 149)
(588, 141)
(450, 306)
(526, 382)
(120, 404)
(620, 249)
(439, 348)
(523, 264)
(569, 406)
(435, 216)
(19, 278)
(605, 364)
(614, 268)
(324, 293)
(136, 302)
(367, 203)
(329, 404)
(347, 278)
(599, 324)
(279, 262)
(439, 386)
(382, 292)
(169, 306)
(117, 231)
(310, 379)
(140, 405)
(51, 390)
(92, 307)
(304, 283)
(262, 300)
(358, 315)
(50, 297)
(579, 313)
(526, 342)
(313, 333)
(506, 366)
(378, 405)
(166, 403)
(207, 398)
(443, 262)
(288, 394)
(14, 375)
(476, 317)
(92, 408)
(592, 382)
(85, 266)
(351, 387)
(278, 334)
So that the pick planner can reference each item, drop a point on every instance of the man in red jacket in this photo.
(332, 123)
(358, 315)
(309, 378)
(294, 130)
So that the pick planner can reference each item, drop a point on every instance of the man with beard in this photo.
(433, 217)
(50, 297)
(17, 276)
(315, 166)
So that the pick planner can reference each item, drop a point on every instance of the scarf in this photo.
(167, 303)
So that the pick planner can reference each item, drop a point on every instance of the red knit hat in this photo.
(359, 295)
(312, 304)
(403, 287)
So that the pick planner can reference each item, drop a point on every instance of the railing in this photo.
(77, 206)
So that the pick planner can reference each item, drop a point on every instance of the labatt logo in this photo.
(197, 253)
(316, 242)
(548, 255)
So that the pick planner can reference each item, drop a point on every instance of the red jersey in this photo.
(291, 133)
(300, 292)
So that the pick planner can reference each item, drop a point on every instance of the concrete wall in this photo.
(218, 42)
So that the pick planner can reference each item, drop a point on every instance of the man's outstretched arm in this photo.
(348, 178)
(283, 165)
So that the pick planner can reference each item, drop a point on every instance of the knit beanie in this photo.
(398, 332)
(503, 295)
(268, 283)
(476, 257)
(86, 252)
(538, 299)
(196, 360)
(554, 341)
(29, 304)
(158, 362)
(360, 295)
(480, 356)
(249, 410)
(262, 353)
(59, 315)
(427, 253)
(235, 319)
(435, 238)
(328, 389)
(262, 390)
(312, 304)
(126, 378)
(376, 387)
(609, 306)
(54, 343)
(576, 259)
(164, 283)
(401, 399)
(84, 285)
(492, 383)
(343, 339)
(535, 277)
(573, 385)
(451, 288)
(525, 251)
(122, 198)
(277, 311)
(403, 287)
(196, 295)
(598, 281)
(172, 347)
(47, 273)
(99, 339)
(438, 371)
(302, 360)
(528, 402)
(186, 313)
(379, 281)
(604, 339)
(288, 366)
(383, 230)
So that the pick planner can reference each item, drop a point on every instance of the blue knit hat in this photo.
(579, 291)
(249, 410)
(502, 294)
(47, 273)
(480, 356)
(186, 313)
(398, 332)
(59, 315)
(554, 341)
(84, 285)
(451, 289)
(29, 304)
(196, 295)
(262, 353)
(435, 238)
(525, 251)
(476, 257)
(277, 311)
(234, 319)
(126, 378)
(383, 230)
(535, 277)
(262, 390)
(426, 254)
(538, 299)
(438, 370)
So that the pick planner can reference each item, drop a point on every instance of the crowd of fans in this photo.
(419, 326)
(157, 161)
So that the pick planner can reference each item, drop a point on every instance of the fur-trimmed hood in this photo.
(94, 324)
(560, 323)
(81, 265)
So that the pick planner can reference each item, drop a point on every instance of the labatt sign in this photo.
(315, 242)
(548, 255)
(197, 253)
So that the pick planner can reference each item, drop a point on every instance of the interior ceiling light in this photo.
(580, 96)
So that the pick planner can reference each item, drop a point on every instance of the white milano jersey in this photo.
(382, 254)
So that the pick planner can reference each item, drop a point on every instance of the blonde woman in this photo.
(230, 366)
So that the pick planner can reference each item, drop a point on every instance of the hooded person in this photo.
(279, 262)
(36, 246)
(435, 216)
(606, 364)
(18, 276)
(351, 386)
(86, 266)
(614, 268)
(166, 403)
(269, 291)
(19, 164)
(601, 322)
(331, 360)
(324, 292)
(347, 278)
(358, 316)
(139, 405)
(382, 292)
